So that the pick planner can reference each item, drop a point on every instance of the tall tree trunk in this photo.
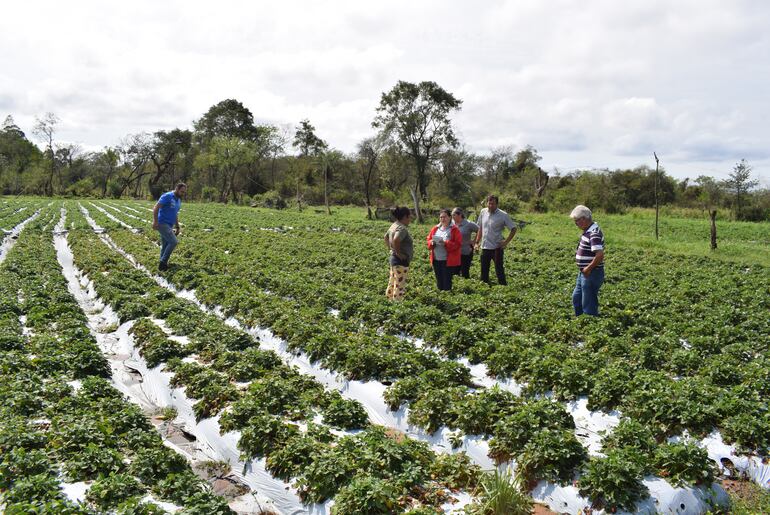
(367, 195)
(326, 190)
(416, 199)
(713, 216)
(299, 197)
(657, 163)
(225, 190)
(272, 173)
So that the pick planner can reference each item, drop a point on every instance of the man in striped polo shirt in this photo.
(590, 261)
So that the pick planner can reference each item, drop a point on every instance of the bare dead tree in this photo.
(657, 167)
(44, 129)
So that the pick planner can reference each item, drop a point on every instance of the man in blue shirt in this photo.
(165, 220)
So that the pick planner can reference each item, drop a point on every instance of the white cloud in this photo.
(595, 83)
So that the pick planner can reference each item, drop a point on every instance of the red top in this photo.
(453, 245)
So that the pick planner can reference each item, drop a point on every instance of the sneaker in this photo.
(162, 266)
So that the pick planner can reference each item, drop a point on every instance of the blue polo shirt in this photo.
(169, 208)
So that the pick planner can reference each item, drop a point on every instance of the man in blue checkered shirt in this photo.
(589, 257)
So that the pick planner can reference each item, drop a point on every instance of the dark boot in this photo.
(163, 266)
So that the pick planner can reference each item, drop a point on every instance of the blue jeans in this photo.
(585, 298)
(168, 241)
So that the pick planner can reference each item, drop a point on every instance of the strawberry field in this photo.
(266, 372)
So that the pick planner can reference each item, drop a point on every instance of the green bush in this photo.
(684, 463)
(513, 432)
(110, 491)
(344, 413)
(366, 495)
(553, 455)
(615, 481)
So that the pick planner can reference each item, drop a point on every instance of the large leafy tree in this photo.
(306, 141)
(417, 117)
(739, 183)
(228, 118)
(169, 151)
(227, 158)
(134, 153)
(104, 167)
(367, 157)
(17, 154)
(311, 150)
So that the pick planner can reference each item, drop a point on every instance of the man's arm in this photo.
(155, 216)
(478, 233)
(596, 261)
(511, 233)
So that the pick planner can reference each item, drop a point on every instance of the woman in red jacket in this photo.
(444, 242)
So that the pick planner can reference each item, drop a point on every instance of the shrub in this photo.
(153, 464)
(366, 495)
(456, 471)
(107, 492)
(552, 455)
(264, 434)
(344, 413)
(684, 463)
(615, 481)
(630, 434)
(513, 432)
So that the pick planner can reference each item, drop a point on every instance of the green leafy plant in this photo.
(553, 455)
(684, 463)
(499, 493)
(614, 482)
(110, 491)
(366, 495)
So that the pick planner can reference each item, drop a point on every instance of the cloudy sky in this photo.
(587, 83)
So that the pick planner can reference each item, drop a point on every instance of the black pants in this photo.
(488, 255)
(465, 265)
(443, 274)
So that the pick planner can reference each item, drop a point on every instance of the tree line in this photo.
(413, 155)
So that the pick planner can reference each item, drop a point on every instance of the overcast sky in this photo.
(587, 83)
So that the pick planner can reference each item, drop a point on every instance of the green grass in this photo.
(738, 242)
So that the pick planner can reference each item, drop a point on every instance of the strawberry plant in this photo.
(513, 432)
(614, 482)
(109, 491)
(684, 463)
(366, 495)
(553, 455)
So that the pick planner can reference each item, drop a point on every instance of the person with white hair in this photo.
(590, 261)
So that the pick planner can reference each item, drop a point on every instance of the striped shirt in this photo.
(590, 241)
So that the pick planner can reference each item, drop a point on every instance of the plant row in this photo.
(281, 415)
(438, 394)
(62, 422)
(697, 321)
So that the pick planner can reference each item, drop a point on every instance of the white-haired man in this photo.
(590, 261)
